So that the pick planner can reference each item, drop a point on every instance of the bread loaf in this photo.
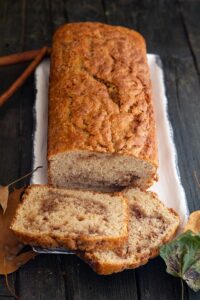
(51, 217)
(151, 225)
(101, 133)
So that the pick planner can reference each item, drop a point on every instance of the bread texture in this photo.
(151, 225)
(101, 132)
(51, 217)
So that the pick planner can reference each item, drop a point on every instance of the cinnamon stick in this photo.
(20, 57)
(18, 83)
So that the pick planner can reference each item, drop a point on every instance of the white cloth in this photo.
(168, 187)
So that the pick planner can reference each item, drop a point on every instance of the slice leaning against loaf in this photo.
(52, 217)
(151, 225)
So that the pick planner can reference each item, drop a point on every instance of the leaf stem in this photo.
(19, 179)
(182, 290)
(9, 288)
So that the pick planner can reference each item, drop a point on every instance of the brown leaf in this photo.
(10, 246)
(193, 223)
(13, 263)
(4, 192)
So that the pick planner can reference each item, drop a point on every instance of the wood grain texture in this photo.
(83, 283)
(124, 13)
(171, 29)
(58, 15)
(4, 292)
(37, 24)
(155, 283)
(9, 122)
(191, 22)
(84, 10)
(41, 279)
(183, 90)
(162, 28)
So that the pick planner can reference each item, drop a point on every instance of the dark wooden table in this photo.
(172, 30)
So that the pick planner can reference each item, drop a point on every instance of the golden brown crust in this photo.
(107, 268)
(79, 242)
(75, 242)
(100, 92)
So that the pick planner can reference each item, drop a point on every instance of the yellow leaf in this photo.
(193, 223)
(4, 192)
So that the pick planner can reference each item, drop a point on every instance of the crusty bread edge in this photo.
(75, 242)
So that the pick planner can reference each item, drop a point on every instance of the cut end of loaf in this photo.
(99, 171)
(150, 226)
(52, 217)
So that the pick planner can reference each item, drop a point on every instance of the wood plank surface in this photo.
(122, 13)
(58, 14)
(83, 283)
(171, 29)
(190, 15)
(41, 279)
(9, 121)
(85, 10)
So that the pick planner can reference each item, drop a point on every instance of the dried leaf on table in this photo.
(193, 223)
(10, 246)
(4, 193)
(4, 190)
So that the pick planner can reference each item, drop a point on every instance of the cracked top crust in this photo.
(100, 92)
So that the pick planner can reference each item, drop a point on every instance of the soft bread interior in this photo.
(61, 213)
(151, 224)
(99, 171)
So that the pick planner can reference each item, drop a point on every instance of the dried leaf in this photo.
(193, 223)
(4, 192)
(10, 246)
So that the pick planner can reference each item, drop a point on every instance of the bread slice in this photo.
(52, 217)
(101, 116)
(151, 225)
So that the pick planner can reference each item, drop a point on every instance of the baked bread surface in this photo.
(151, 225)
(100, 109)
(51, 217)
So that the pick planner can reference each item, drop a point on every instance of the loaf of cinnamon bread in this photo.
(101, 132)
